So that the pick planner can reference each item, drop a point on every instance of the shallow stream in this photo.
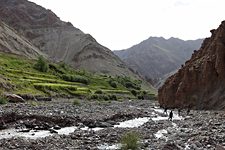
(157, 115)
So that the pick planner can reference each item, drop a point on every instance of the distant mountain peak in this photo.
(156, 57)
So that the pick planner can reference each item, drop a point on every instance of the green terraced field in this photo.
(17, 75)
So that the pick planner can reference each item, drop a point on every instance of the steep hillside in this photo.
(200, 84)
(61, 41)
(12, 42)
(156, 56)
(19, 75)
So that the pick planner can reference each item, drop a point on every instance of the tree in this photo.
(41, 64)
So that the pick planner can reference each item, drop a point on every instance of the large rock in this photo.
(14, 98)
(200, 83)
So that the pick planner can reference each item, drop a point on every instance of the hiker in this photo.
(165, 110)
(179, 111)
(188, 111)
(171, 115)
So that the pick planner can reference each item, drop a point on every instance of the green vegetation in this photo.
(41, 64)
(33, 103)
(134, 92)
(76, 102)
(98, 92)
(75, 78)
(38, 77)
(3, 100)
(130, 141)
(113, 84)
(103, 97)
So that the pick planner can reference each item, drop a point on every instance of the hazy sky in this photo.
(119, 24)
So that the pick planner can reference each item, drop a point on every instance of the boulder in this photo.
(14, 98)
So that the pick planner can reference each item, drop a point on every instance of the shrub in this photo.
(41, 64)
(105, 97)
(113, 97)
(144, 92)
(3, 100)
(132, 85)
(98, 92)
(55, 69)
(129, 85)
(76, 102)
(140, 97)
(94, 96)
(113, 84)
(130, 141)
(138, 88)
(75, 78)
(63, 65)
(134, 92)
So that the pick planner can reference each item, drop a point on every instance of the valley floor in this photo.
(96, 125)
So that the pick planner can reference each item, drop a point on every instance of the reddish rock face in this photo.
(200, 83)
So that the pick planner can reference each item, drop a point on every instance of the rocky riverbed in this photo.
(59, 124)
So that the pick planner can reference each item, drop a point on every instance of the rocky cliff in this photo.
(12, 42)
(61, 41)
(200, 83)
(156, 57)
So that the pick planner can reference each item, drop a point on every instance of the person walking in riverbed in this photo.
(171, 115)
(188, 111)
(165, 111)
(179, 112)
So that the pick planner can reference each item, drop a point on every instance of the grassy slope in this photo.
(19, 76)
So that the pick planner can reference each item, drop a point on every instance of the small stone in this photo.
(52, 131)
(57, 127)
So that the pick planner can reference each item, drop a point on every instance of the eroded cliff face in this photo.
(60, 40)
(12, 42)
(200, 83)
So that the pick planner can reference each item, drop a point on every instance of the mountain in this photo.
(156, 57)
(200, 83)
(61, 41)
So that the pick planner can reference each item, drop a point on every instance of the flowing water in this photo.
(34, 134)
(109, 147)
(133, 123)
(161, 134)
(157, 115)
